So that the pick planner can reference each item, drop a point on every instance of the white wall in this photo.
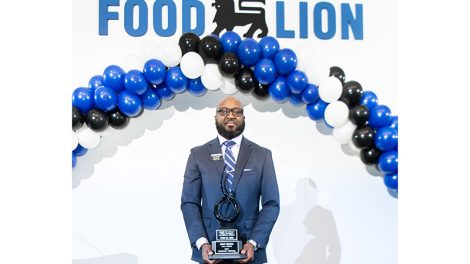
(127, 190)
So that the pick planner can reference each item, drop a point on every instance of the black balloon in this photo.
(118, 120)
(97, 120)
(370, 156)
(77, 118)
(229, 65)
(359, 115)
(210, 49)
(189, 42)
(245, 80)
(338, 73)
(363, 137)
(260, 91)
(352, 93)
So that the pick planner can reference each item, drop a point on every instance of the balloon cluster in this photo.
(231, 64)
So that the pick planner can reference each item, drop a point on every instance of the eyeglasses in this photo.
(223, 111)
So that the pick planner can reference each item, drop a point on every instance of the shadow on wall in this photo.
(311, 235)
(122, 258)
(153, 120)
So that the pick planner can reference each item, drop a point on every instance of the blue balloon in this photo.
(135, 82)
(380, 116)
(369, 99)
(310, 94)
(278, 90)
(285, 61)
(269, 47)
(74, 160)
(150, 99)
(196, 87)
(391, 181)
(130, 104)
(394, 123)
(105, 98)
(316, 111)
(113, 77)
(297, 81)
(388, 162)
(95, 82)
(296, 100)
(265, 71)
(230, 41)
(80, 151)
(82, 98)
(386, 138)
(249, 52)
(154, 71)
(164, 92)
(175, 80)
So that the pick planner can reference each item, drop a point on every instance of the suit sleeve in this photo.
(270, 203)
(191, 201)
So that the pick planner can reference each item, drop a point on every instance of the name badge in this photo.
(217, 156)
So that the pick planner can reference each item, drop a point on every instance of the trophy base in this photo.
(227, 256)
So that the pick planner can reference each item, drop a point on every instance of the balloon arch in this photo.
(231, 64)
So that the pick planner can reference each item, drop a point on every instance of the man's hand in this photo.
(249, 250)
(206, 251)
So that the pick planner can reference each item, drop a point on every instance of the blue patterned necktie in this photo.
(229, 163)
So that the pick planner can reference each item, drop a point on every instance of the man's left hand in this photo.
(249, 250)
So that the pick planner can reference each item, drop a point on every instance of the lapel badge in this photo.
(217, 156)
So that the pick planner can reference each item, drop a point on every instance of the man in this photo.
(252, 179)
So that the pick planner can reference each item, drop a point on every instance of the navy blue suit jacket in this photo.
(254, 180)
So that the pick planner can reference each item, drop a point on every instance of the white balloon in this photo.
(330, 89)
(336, 114)
(88, 138)
(192, 65)
(353, 147)
(344, 133)
(229, 87)
(317, 71)
(169, 53)
(211, 78)
(74, 140)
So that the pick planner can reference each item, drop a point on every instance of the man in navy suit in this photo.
(254, 179)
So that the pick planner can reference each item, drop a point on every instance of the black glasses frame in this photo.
(224, 111)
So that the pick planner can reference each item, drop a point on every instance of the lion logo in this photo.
(227, 18)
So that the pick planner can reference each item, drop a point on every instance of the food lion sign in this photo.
(323, 20)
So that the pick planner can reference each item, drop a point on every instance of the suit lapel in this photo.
(213, 147)
(243, 155)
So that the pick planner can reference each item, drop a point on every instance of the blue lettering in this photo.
(347, 19)
(280, 25)
(158, 17)
(104, 15)
(317, 20)
(303, 19)
(129, 18)
(200, 16)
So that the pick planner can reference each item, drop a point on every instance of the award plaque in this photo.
(226, 244)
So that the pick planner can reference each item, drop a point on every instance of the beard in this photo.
(230, 134)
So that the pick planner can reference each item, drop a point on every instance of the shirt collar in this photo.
(237, 140)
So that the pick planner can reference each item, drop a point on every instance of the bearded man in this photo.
(250, 177)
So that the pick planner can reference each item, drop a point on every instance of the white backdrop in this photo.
(127, 190)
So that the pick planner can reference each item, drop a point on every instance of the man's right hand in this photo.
(206, 251)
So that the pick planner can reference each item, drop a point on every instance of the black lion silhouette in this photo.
(226, 18)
